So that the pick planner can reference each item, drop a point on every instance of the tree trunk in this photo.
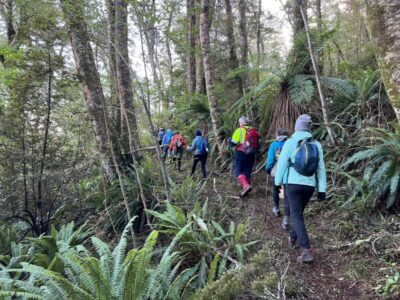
(191, 46)
(8, 17)
(317, 77)
(299, 51)
(200, 80)
(233, 59)
(244, 49)
(208, 72)
(259, 41)
(319, 15)
(124, 80)
(88, 76)
(116, 113)
(383, 19)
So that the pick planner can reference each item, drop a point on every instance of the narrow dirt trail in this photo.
(335, 273)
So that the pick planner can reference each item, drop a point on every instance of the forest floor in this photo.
(352, 250)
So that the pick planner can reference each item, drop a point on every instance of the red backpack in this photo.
(251, 143)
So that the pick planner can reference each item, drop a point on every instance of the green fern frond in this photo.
(177, 287)
(23, 295)
(212, 274)
(301, 89)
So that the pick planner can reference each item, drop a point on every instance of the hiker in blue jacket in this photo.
(270, 166)
(160, 136)
(201, 147)
(300, 150)
(166, 141)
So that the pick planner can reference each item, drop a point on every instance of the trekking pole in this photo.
(266, 199)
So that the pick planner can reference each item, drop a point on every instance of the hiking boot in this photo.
(276, 211)
(292, 243)
(245, 191)
(285, 223)
(305, 256)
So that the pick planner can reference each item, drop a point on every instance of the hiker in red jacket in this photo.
(176, 147)
(247, 142)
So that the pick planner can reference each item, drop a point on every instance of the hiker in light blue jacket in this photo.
(166, 142)
(300, 188)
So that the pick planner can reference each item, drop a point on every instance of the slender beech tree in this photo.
(124, 80)
(233, 58)
(200, 80)
(191, 46)
(383, 19)
(317, 75)
(208, 72)
(89, 77)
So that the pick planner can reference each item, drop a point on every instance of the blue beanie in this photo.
(198, 132)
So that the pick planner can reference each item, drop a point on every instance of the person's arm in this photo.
(171, 144)
(271, 157)
(283, 162)
(321, 171)
(192, 148)
(235, 138)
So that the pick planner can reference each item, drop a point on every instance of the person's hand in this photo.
(231, 143)
(268, 171)
(321, 196)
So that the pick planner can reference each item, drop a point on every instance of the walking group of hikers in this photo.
(295, 163)
(173, 145)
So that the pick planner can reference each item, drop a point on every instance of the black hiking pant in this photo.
(177, 155)
(202, 158)
(244, 164)
(275, 196)
(299, 196)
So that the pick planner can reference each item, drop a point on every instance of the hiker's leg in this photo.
(249, 166)
(275, 192)
(195, 162)
(298, 196)
(180, 155)
(203, 161)
(286, 201)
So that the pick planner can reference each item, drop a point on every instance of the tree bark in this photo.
(383, 19)
(259, 41)
(200, 79)
(299, 52)
(191, 46)
(8, 16)
(208, 72)
(9, 19)
(124, 80)
(116, 113)
(88, 76)
(244, 49)
(319, 15)
(233, 59)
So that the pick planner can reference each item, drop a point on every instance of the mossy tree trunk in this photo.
(383, 19)
(89, 77)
